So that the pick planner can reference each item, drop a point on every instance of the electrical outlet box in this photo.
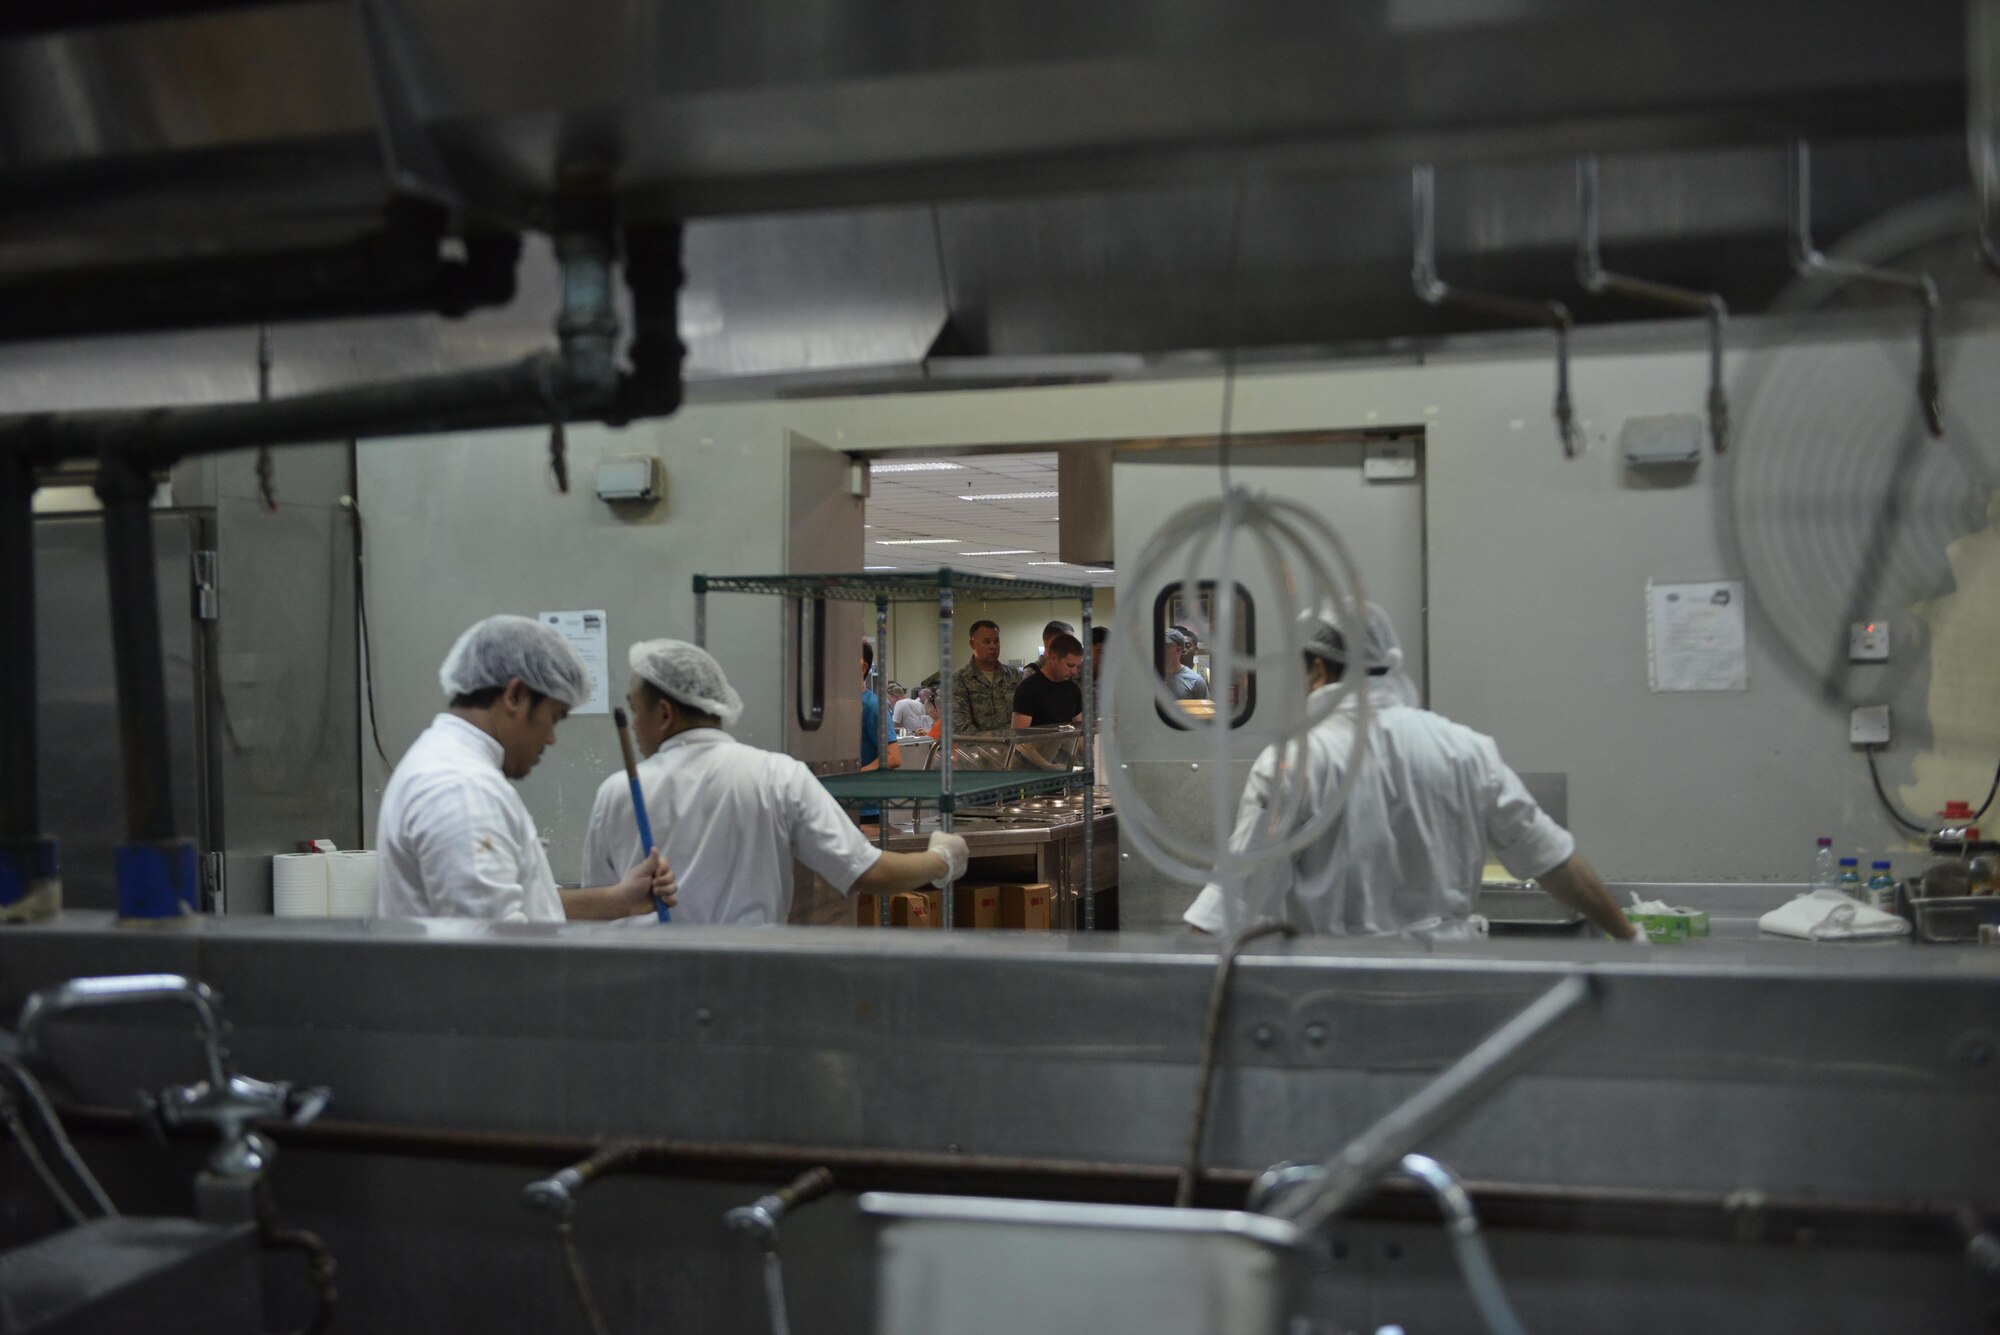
(1868, 725)
(1868, 642)
(1389, 461)
(634, 477)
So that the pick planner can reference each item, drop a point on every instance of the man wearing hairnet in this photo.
(456, 840)
(1422, 809)
(730, 818)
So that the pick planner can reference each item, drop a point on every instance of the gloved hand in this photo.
(951, 848)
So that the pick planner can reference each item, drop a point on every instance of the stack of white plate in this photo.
(300, 885)
(351, 887)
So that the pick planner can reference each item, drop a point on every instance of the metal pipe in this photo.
(128, 990)
(1596, 279)
(760, 1220)
(1903, 1224)
(579, 382)
(1460, 1088)
(52, 1127)
(1810, 263)
(20, 792)
(1461, 1226)
(1434, 291)
(127, 492)
(1090, 764)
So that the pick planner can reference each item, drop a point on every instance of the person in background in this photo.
(1099, 637)
(1406, 851)
(1049, 633)
(1052, 695)
(907, 716)
(731, 818)
(982, 692)
(1186, 684)
(456, 840)
(871, 717)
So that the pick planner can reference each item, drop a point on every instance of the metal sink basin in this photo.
(113, 1276)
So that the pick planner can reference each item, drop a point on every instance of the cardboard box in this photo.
(975, 906)
(1025, 907)
(1672, 927)
(907, 910)
(867, 910)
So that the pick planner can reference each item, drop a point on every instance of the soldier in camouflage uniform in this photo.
(982, 692)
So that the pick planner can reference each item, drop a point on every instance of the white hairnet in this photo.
(1381, 654)
(495, 651)
(689, 674)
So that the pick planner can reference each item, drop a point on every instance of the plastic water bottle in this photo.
(1882, 888)
(1849, 883)
(1823, 874)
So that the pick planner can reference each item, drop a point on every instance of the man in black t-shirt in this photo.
(1052, 695)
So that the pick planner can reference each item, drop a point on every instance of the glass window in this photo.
(1183, 653)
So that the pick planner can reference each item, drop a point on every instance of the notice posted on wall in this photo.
(1696, 637)
(586, 634)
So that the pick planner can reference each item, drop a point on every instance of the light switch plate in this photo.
(1389, 461)
(1868, 725)
(1868, 642)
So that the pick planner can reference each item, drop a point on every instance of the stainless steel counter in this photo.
(1732, 1070)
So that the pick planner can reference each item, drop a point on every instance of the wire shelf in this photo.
(903, 586)
(901, 786)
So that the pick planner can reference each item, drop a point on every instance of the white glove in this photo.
(951, 848)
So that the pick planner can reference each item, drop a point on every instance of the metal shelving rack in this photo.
(938, 785)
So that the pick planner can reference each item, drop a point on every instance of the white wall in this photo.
(1537, 568)
(463, 526)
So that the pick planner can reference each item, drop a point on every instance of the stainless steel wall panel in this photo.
(1865, 1075)
(79, 716)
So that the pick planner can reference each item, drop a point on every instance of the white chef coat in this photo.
(729, 819)
(1407, 851)
(455, 839)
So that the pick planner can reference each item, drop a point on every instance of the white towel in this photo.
(351, 888)
(1829, 915)
(299, 885)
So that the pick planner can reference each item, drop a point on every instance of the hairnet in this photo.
(689, 674)
(1381, 653)
(495, 651)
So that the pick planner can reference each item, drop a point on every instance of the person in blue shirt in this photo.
(871, 713)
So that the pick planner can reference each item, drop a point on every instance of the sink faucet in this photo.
(229, 1103)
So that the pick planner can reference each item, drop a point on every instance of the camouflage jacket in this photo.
(979, 705)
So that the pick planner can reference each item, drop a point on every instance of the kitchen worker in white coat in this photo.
(1429, 799)
(455, 839)
(731, 818)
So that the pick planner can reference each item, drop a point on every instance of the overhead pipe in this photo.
(1599, 281)
(1810, 263)
(1434, 291)
(156, 868)
(579, 381)
(30, 886)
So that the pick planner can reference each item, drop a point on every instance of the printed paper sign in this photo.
(586, 634)
(1696, 636)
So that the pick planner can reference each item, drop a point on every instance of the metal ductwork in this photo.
(879, 185)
